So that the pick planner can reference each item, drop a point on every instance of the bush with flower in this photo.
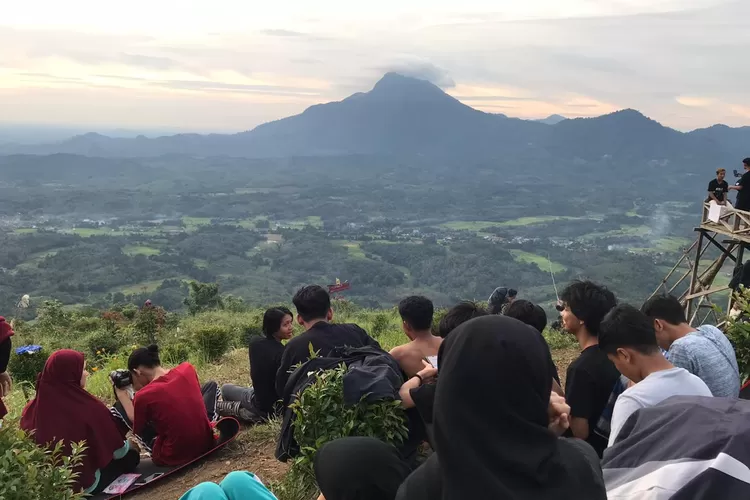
(27, 362)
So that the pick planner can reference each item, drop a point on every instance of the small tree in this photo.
(738, 331)
(149, 320)
(202, 297)
(29, 472)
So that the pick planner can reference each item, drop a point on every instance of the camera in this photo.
(121, 378)
(737, 174)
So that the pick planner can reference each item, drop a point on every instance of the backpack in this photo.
(372, 374)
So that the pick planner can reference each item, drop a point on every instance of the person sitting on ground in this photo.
(500, 299)
(359, 468)
(419, 390)
(416, 315)
(63, 410)
(533, 315)
(704, 351)
(259, 402)
(628, 338)
(592, 377)
(6, 332)
(501, 443)
(314, 313)
(169, 408)
(237, 485)
(718, 188)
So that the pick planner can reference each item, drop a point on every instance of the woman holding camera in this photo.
(64, 411)
(168, 404)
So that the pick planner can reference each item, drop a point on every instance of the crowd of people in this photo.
(498, 418)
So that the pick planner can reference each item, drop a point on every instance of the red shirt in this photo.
(174, 405)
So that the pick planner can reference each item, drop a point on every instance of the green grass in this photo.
(312, 220)
(539, 260)
(192, 223)
(144, 286)
(476, 226)
(353, 247)
(623, 231)
(25, 230)
(140, 250)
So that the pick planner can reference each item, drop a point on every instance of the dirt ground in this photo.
(253, 450)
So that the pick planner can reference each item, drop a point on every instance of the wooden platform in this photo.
(734, 223)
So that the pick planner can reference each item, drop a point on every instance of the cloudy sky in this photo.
(231, 64)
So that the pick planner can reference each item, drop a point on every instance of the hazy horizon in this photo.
(228, 65)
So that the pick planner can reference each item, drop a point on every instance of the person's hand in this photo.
(559, 414)
(6, 384)
(428, 373)
(122, 393)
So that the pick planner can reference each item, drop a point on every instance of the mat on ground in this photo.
(149, 474)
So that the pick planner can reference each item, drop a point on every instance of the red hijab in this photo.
(63, 410)
(6, 332)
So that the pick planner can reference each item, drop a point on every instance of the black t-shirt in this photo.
(590, 381)
(743, 195)
(265, 359)
(324, 337)
(719, 189)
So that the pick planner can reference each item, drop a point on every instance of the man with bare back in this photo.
(416, 313)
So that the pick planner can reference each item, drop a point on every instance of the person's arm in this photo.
(624, 407)
(5, 381)
(425, 376)
(406, 400)
(578, 396)
(127, 404)
(282, 375)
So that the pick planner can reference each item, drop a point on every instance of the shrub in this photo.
(28, 472)
(26, 362)
(174, 353)
(380, 324)
(85, 325)
(322, 416)
(212, 341)
(738, 332)
(559, 339)
(104, 342)
(148, 322)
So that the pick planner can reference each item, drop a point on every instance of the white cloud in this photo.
(679, 61)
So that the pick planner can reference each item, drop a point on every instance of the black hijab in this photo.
(359, 468)
(491, 420)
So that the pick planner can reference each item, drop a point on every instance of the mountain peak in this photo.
(396, 82)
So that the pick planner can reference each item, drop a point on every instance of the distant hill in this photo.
(404, 116)
(552, 119)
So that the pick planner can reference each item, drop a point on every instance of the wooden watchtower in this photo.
(730, 235)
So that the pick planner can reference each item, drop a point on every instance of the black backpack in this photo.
(372, 373)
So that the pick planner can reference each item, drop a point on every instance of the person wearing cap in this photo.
(718, 188)
(500, 299)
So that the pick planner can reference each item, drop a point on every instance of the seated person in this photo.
(6, 332)
(718, 188)
(359, 468)
(500, 299)
(258, 402)
(591, 378)
(627, 337)
(237, 485)
(168, 404)
(533, 315)
(418, 390)
(704, 351)
(502, 443)
(416, 315)
(314, 313)
(64, 411)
